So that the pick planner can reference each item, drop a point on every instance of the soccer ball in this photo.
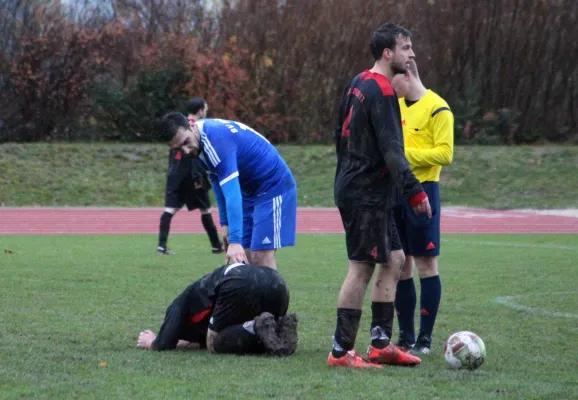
(464, 350)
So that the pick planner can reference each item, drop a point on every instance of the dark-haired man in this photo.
(255, 190)
(188, 184)
(371, 170)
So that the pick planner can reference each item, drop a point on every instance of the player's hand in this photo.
(225, 236)
(146, 339)
(423, 208)
(236, 254)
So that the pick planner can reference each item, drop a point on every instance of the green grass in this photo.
(134, 175)
(71, 304)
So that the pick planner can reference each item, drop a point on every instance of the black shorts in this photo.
(420, 235)
(247, 291)
(370, 234)
(186, 194)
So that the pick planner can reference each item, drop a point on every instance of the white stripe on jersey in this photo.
(229, 178)
(209, 150)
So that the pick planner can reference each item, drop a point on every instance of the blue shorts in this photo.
(420, 235)
(270, 224)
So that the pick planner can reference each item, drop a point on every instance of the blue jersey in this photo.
(232, 149)
(247, 174)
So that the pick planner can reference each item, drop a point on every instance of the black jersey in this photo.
(371, 164)
(188, 316)
(183, 168)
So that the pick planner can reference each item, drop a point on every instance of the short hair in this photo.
(169, 125)
(385, 37)
(195, 105)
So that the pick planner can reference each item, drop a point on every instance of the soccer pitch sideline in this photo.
(72, 307)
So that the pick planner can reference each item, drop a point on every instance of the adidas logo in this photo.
(430, 246)
(266, 241)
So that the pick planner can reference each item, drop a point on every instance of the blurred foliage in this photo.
(81, 70)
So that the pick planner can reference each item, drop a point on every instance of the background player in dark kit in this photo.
(188, 184)
(237, 308)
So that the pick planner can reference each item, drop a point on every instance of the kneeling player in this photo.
(238, 309)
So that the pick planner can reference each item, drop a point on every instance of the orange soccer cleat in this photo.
(351, 359)
(391, 355)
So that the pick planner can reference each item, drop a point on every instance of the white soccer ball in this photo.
(464, 350)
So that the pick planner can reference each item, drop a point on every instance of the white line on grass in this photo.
(509, 301)
(510, 244)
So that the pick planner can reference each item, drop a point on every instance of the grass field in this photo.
(132, 175)
(73, 306)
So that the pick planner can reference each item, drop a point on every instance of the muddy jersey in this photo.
(371, 165)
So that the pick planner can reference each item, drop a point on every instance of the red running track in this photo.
(54, 221)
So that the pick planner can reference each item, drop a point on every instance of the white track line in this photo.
(511, 244)
(509, 301)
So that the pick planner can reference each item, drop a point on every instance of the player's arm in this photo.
(442, 127)
(387, 123)
(211, 335)
(186, 307)
(234, 200)
(341, 118)
(184, 345)
(173, 177)
(228, 175)
(175, 320)
(221, 204)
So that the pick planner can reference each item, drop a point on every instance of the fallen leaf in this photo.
(103, 364)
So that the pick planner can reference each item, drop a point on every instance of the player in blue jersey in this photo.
(255, 190)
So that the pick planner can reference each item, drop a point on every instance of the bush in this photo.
(281, 66)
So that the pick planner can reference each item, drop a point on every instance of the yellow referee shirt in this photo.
(428, 133)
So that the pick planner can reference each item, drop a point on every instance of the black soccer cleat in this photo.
(218, 250)
(266, 330)
(287, 332)
(422, 345)
(165, 251)
(402, 342)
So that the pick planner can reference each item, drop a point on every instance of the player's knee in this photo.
(427, 266)
(171, 211)
(407, 268)
(396, 259)
(360, 272)
(265, 258)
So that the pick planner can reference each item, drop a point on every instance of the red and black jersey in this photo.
(187, 318)
(371, 164)
(248, 287)
(183, 168)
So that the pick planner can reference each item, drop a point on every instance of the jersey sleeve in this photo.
(234, 213)
(338, 130)
(221, 204)
(173, 173)
(183, 311)
(221, 154)
(386, 120)
(442, 129)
